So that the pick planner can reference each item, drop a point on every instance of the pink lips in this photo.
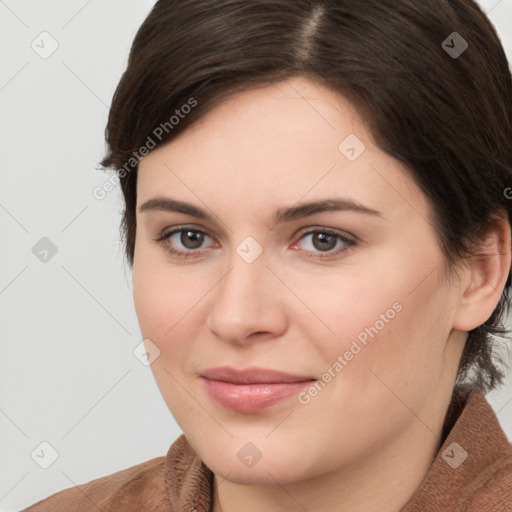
(253, 389)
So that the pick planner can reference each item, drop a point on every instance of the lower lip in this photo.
(252, 397)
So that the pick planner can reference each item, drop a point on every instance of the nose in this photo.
(247, 303)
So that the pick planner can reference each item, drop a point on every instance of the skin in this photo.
(367, 439)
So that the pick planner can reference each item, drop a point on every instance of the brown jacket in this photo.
(472, 472)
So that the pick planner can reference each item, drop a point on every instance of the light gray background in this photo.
(68, 326)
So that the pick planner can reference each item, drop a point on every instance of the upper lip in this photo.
(251, 376)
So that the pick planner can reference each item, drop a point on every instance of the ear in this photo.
(484, 277)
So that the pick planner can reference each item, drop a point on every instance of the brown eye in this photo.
(324, 241)
(191, 239)
(184, 242)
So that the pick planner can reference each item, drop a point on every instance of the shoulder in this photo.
(472, 470)
(483, 475)
(491, 488)
(126, 490)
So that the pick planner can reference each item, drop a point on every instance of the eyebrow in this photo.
(285, 214)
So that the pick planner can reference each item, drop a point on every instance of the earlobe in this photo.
(485, 277)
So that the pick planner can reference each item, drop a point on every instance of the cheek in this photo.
(159, 290)
(151, 301)
(407, 358)
(357, 305)
(164, 302)
(155, 298)
(393, 322)
(170, 307)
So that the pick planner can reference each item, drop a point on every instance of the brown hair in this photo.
(447, 115)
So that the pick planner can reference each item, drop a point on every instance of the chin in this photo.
(235, 465)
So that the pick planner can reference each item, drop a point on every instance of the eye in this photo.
(183, 242)
(325, 243)
(187, 242)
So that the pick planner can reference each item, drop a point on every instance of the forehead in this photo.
(277, 144)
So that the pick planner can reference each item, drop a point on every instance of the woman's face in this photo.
(347, 295)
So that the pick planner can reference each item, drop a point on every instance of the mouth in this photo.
(252, 389)
(252, 376)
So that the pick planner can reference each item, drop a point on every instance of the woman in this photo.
(318, 224)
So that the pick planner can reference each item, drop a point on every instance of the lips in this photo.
(253, 389)
(252, 376)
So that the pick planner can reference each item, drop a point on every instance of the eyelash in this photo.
(347, 241)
